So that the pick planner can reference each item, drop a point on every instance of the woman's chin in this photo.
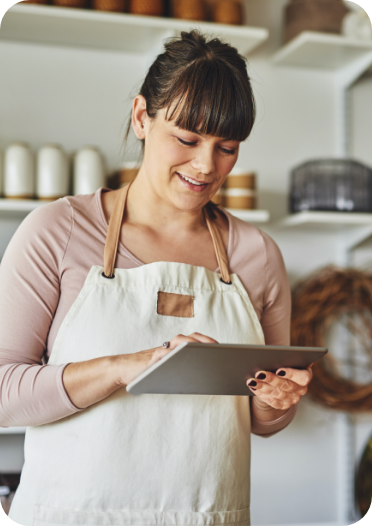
(190, 203)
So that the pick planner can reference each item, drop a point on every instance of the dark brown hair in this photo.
(203, 85)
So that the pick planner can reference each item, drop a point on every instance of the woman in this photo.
(95, 455)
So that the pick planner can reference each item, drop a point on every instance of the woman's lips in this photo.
(191, 186)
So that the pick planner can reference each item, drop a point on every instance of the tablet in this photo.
(218, 369)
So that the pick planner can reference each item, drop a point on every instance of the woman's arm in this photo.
(266, 421)
(32, 393)
(275, 322)
(91, 381)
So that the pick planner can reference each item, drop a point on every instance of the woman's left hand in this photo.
(283, 389)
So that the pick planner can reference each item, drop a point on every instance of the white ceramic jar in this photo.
(52, 177)
(89, 171)
(18, 172)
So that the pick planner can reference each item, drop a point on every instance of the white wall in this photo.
(69, 96)
(78, 97)
(361, 119)
(293, 472)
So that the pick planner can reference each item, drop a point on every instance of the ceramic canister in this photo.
(240, 178)
(240, 189)
(240, 198)
(18, 171)
(52, 177)
(89, 171)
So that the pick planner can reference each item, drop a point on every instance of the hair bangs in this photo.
(209, 98)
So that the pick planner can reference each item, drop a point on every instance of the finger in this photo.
(181, 338)
(284, 401)
(195, 337)
(202, 338)
(299, 376)
(276, 381)
(275, 403)
(262, 388)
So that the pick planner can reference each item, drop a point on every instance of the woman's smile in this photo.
(192, 184)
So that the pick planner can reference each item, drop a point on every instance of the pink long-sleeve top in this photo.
(44, 269)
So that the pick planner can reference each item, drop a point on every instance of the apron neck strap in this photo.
(219, 248)
(113, 232)
(114, 229)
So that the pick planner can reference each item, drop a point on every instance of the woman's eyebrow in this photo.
(190, 131)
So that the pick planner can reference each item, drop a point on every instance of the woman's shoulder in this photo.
(45, 222)
(61, 214)
(47, 230)
(247, 241)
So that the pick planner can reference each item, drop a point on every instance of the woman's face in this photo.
(185, 168)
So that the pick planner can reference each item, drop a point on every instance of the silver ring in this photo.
(166, 344)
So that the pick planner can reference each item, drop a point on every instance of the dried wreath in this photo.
(318, 302)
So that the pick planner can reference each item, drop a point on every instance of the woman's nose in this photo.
(204, 161)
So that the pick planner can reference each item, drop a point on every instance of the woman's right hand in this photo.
(89, 382)
(134, 364)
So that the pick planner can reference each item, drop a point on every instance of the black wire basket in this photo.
(338, 185)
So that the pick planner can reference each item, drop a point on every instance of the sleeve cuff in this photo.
(267, 429)
(66, 399)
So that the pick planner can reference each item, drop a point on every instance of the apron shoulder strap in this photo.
(114, 229)
(219, 248)
(113, 232)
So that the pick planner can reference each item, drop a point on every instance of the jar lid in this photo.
(130, 165)
(240, 171)
(20, 143)
(52, 145)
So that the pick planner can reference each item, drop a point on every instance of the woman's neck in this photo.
(154, 232)
(147, 208)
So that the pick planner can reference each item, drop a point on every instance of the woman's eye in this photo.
(229, 152)
(186, 143)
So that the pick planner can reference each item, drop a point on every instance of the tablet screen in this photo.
(218, 369)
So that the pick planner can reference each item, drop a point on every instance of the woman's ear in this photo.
(139, 115)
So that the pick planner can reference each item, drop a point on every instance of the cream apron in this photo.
(150, 459)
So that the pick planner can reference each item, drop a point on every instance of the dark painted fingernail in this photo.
(281, 373)
(261, 376)
(252, 383)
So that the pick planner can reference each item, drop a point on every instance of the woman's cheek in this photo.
(230, 163)
(172, 154)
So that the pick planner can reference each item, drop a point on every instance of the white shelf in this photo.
(24, 206)
(322, 51)
(20, 205)
(12, 430)
(326, 220)
(250, 216)
(350, 228)
(112, 31)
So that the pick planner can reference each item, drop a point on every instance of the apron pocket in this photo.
(46, 515)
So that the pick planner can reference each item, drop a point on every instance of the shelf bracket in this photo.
(353, 238)
(344, 80)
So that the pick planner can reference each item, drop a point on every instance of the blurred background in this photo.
(68, 72)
